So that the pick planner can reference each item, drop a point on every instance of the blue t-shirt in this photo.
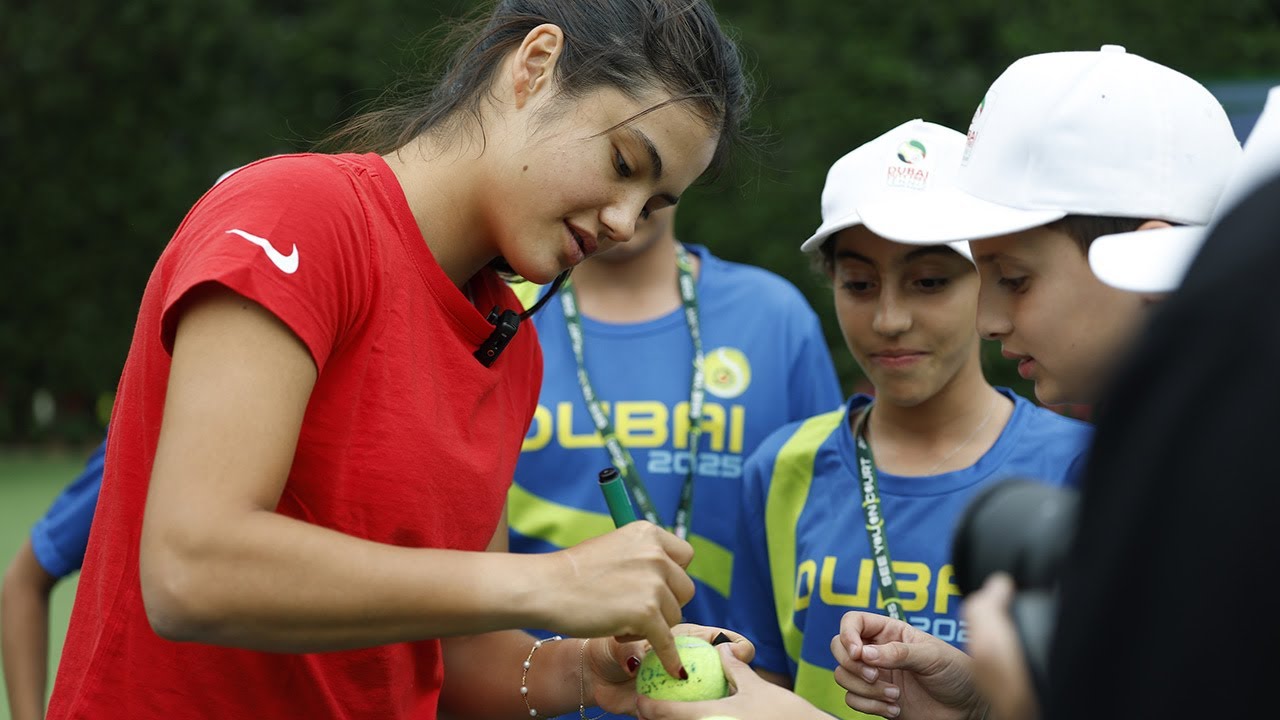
(59, 538)
(767, 364)
(803, 555)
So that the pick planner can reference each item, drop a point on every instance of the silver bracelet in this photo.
(582, 683)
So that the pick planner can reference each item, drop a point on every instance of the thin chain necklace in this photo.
(990, 412)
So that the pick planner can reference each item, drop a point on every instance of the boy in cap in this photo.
(1066, 147)
(1182, 483)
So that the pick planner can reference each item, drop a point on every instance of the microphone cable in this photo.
(507, 322)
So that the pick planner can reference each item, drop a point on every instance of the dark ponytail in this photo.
(632, 46)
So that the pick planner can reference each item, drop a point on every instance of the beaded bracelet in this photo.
(524, 675)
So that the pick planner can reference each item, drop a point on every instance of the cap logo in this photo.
(912, 151)
(912, 172)
(972, 137)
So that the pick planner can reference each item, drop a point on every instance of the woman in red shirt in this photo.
(315, 429)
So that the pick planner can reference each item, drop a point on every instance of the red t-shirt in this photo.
(407, 439)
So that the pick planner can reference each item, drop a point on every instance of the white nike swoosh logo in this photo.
(288, 264)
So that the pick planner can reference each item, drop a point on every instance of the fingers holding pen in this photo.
(680, 551)
(629, 583)
(667, 555)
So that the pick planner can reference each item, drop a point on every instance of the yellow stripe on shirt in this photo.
(788, 492)
(565, 526)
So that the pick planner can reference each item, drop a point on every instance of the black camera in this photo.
(1024, 528)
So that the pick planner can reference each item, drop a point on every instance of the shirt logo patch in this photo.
(728, 372)
(288, 264)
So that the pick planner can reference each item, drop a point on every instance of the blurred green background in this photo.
(117, 116)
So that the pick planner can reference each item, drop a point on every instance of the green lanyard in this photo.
(620, 456)
(871, 509)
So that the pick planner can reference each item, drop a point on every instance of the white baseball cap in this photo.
(915, 158)
(1156, 260)
(1077, 133)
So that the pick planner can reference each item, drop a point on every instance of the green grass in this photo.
(29, 481)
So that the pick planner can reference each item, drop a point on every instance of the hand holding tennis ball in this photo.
(701, 661)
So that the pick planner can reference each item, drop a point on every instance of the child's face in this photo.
(906, 312)
(1042, 302)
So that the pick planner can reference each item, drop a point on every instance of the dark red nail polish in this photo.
(633, 663)
(684, 674)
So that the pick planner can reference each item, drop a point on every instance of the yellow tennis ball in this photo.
(702, 662)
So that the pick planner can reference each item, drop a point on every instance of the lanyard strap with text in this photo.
(618, 454)
(873, 511)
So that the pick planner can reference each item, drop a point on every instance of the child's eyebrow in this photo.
(851, 255)
(917, 254)
(929, 250)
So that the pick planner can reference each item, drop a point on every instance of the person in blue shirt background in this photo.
(54, 550)
(765, 363)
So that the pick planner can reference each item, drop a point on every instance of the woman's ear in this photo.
(533, 65)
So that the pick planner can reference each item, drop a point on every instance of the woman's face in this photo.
(906, 312)
(574, 180)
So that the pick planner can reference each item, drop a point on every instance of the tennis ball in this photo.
(702, 662)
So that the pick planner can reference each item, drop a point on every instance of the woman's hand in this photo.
(630, 583)
(610, 666)
(752, 698)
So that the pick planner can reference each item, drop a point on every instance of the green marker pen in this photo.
(615, 496)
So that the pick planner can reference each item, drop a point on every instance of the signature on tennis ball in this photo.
(702, 663)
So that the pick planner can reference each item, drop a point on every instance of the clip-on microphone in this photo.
(507, 322)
